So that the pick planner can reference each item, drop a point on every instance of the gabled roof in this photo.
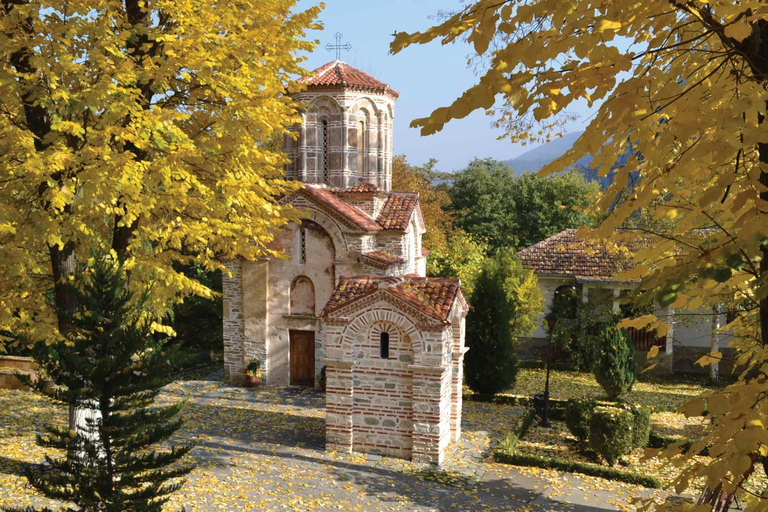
(432, 296)
(380, 259)
(341, 74)
(565, 254)
(362, 187)
(353, 214)
(397, 210)
(395, 214)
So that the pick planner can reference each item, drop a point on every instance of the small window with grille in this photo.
(302, 246)
(326, 151)
(384, 345)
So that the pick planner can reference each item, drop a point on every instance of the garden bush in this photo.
(642, 426)
(611, 433)
(506, 305)
(615, 366)
(578, 415)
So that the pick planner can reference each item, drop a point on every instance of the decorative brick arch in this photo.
(361, 324)
(366, 103)
(327, 102)
(331, 227)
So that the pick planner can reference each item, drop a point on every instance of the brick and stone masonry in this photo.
(297, 313)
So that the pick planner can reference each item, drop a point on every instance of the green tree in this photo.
(506, 303)
(461, 258)
(494, 205)
(481, 201)
(615, 365)
(545, 206)
(685, 84)
(110, 365)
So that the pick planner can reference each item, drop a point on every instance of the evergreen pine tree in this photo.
(506, 303)
(112, 366)
(615, 368)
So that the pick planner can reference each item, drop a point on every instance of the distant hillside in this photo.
(535, 159)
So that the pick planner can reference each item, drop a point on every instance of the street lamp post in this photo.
(551, 322)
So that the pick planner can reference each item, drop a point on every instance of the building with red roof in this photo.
(346, 290)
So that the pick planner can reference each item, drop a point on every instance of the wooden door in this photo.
(302, 358)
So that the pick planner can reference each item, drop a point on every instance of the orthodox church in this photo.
(352, 296)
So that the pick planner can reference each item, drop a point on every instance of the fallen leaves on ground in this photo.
(264, 450)
(566, 385)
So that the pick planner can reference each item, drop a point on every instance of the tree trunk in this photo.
(760, 61)
(714, 368)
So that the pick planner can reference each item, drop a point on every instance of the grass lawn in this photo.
(557, 442)
(659, 392)
(665, 394)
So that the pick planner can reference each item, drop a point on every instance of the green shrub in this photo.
(616, 365)
(570, 466)
(656, 440)
(578, 414)
(642, 426)
(506, 304)
(611, 433)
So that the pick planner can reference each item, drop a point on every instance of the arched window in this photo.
(565, 300)
(302, 296)
(362, 150)
(326, 150)
(384, 345)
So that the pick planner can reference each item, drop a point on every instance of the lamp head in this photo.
(551, 319)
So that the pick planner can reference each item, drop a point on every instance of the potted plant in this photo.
(321, 379)
(253, 374)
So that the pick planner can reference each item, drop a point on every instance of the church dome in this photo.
(338, 74)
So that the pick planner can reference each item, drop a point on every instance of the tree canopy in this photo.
(142, 127)
(494, 205)
(685, 83)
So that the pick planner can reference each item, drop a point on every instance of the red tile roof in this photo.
(397, 210)
(362, 187)
(433, 296)
(565, 254)
(380, 259)
(351, 213)
(341, 74)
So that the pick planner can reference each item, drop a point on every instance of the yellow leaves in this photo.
(605, 25)
(694, 407)
(739, 30)
(163, 329)
(711, 358)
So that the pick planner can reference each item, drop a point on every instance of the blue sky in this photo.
(427, 77)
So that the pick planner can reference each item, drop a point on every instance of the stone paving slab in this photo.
(264, 449)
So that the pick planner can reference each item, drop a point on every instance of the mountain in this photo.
(536, 158)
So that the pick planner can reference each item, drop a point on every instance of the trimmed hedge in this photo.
(512, 439)
(536, 461)
(642, 426)
(611, 433)
(578, 415)
(656, 440)
(557, 406)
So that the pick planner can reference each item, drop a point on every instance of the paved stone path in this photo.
(264, 450)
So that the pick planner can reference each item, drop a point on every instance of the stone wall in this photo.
(333, 120)
(232, 291)
(408, 405)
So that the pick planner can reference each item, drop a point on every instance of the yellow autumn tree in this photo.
(140, 127)
(685, 85)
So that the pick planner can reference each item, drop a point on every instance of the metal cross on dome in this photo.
(338, 46)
